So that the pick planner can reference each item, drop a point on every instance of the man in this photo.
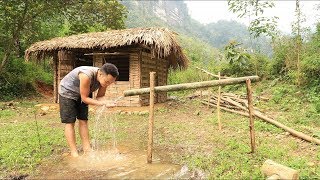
(75, 95)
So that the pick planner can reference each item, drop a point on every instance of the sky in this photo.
(211, 11)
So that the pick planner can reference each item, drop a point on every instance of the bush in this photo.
(19, 77)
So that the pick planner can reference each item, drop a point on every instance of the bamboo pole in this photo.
(211, 74)
(208, 92)
(195, 85)
(227, 109)
(151, 117)
(218, 105)
(271, 121)
(251, 114)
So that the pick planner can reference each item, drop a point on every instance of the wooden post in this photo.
(251, 113)
(218, 106)
(151, 117)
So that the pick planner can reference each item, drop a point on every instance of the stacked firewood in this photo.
(238, 104)
(229, 102)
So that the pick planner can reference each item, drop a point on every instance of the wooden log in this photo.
(271, 168)
(251, 124)
(151, 117)
(195, 85)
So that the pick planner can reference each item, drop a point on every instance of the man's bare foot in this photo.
(74, 154)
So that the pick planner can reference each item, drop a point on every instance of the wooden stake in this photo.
(151, 117)
(218, 105)
(251, 113)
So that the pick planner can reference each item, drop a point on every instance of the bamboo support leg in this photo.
(251, 113)
(218, 105)
(151, 117)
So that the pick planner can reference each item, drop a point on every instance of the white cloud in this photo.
(212, 11)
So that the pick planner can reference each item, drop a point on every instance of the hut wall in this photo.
(55, 78)
(63, 63)
(160, 66)
(97, 60)
(115, 91)
(66, 63)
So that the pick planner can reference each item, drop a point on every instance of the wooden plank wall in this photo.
(160, 66)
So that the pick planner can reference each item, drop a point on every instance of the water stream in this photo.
(124, 161)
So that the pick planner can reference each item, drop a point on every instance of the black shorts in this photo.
(71, 109)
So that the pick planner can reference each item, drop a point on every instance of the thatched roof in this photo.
(161, 40)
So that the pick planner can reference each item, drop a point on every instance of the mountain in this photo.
(175, 16)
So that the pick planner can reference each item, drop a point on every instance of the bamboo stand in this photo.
(218, 105)
(251, 114)
(151, 117)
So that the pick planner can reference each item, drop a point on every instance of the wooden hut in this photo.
(135, 52)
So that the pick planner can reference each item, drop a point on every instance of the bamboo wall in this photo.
(63, 63)
(160, 66)
(115, 91)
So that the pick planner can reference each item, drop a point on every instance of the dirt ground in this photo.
(187, 144)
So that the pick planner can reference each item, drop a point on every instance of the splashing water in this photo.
(97, 128)
(101, 115)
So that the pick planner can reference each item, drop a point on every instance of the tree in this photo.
(22, 19)
(255, 8)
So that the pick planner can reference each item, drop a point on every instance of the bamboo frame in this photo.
(251, 116)
(151, 117)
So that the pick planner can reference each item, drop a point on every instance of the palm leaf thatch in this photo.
(161, 40)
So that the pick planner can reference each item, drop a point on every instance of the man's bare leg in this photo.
(71, 139)
(84, 134)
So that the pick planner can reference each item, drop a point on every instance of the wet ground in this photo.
(121, 163)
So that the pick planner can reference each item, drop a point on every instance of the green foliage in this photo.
(28, 21)
(238, 61)
(311, 61)
(96, 15)
(255, 8)
(19, 78)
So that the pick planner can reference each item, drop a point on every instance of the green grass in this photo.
(185, 133)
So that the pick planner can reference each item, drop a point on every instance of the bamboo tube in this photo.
(274, 122)
(151, 117)
(213, 75)
(271, 168)
(208, 93)
(195, 85)
(251, 113)
(227, 109)
(218, 106)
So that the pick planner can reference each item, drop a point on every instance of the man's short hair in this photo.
(111, 69)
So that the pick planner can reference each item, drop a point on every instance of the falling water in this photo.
(100, 116)
(119, 162)
(97, 125)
